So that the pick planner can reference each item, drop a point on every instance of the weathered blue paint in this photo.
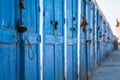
(98, 36)
(9, 46)
(83, 46)
(91, 37)
(30, 41)
(53, 56)
(88, 36)
(71, 39)
(20, 52)
(95, 36)
(15, 62)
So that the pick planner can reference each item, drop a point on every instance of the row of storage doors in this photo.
(20, 40)
(40, 40)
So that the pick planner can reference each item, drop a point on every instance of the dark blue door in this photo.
(53, 56)
(9, 46)
(29, 40)
(71, 39)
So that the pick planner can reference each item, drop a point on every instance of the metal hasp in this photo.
(28, 18)
(21, 28)
(22, 4)
(55, 24)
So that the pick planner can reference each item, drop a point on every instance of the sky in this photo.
(111, 10)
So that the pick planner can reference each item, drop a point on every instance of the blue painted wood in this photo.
(83, 45)
(91, 37)
(97, 36)
(29, 41)
(8, 42)
(72, 39)
(17, 50)
(88, 15)
(53, 57)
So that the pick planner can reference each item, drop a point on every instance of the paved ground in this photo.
(110, 69)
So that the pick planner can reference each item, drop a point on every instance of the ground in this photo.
(109, 69)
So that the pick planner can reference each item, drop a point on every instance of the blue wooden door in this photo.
(71, 39)
(99, 36)
(88, 35)
(83, 45)
(53, 56)
(91, 37)
(29, 40)
(95, 36)
(9, 46)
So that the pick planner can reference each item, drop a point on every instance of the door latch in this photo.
(84, 22)
(21, 28)
(55, 24)
(22, 4)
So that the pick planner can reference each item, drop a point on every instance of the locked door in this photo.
(95, 36)
(28, 29)
(9, 46)
(98, 36)
(72, 39)
(83, 46)
(91, 36)
(88, 32)
(53, 56)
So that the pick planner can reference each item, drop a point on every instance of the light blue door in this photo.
(88, 31)
(91, 37)
(83, 45)
(53, 28)
(72, 39)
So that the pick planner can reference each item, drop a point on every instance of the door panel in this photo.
(72, 39)
(49, 44)
(83, 45)
(53, 60)
(59, 50)
(8, 41)
(30, 39)
(91, 37)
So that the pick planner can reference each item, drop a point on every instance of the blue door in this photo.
(83, 45)
(88, 31)
(9, 47)
(99, 36)
(28, 29)
(53, 56)
(91, 37)
(95, 37)
(72, 39)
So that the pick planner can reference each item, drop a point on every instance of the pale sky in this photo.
(111, 10)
